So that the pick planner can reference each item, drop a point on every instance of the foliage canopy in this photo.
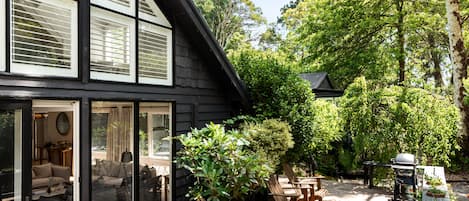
(384, 121)
(278, 92)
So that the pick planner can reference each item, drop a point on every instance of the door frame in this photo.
(26, 142)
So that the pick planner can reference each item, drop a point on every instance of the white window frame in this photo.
(169, 52)
(116, 7)
(160, 17)
(40, 71)
(2, 36)
(150, 134)
(98, 12)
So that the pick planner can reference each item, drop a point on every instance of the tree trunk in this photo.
(436, 59)
(401, 40)
(459, 63)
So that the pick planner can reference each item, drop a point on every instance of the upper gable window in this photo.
(44, 37)
(123, 6)
(114, 40)
(148, 10)
(112, 43)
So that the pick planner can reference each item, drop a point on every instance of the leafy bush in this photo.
(224, 166)
(278, 92)
(271, 139)
(384, 121)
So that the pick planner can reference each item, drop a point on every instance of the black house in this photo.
(321, 85)
(92, 92)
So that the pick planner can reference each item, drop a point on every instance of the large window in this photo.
(112, 150)
(155, 151)
(114, 37)
(112, 41)
(112, 153)
(44, 37)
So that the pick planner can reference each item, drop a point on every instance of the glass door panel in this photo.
(12, 152)
(111, 151)
(154, 150)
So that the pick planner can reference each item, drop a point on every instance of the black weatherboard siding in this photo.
(206, 88)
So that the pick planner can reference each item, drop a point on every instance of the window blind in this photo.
(41, 34)
(110, 46)
(125, 3)
(2, 36)
(153, 49)
(149, 11)
(145, 8)
(123, 6)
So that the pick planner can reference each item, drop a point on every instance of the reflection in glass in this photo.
(10, 149)
(155, 147)
(111, 151)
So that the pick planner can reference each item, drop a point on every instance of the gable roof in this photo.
(321, 84)
(185, 13)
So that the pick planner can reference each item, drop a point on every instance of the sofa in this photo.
(111, 173)
(49, 175)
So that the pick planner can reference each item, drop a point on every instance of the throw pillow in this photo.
(43, 171)
(106, 168)
(59, 171)
(115, 169)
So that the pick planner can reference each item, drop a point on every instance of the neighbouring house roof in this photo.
(186, 14)
(321, 85)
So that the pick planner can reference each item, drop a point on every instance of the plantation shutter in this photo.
(111, 47)
(2, 36)
(123, 6)
(43, 36)
(154, 47)
(148, 10)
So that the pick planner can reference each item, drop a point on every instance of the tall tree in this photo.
(401, 55)
(459, 63)
(350, 38)
(231, 21)
(427, 42)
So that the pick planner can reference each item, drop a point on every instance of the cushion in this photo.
(63, 172)
(33, 174)
(98, 168)
(105, 168)
(112, 181)
(115, 169)
(44, 182)
(43, 171)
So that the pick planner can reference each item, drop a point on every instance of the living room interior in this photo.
(112, 144)
(53, 158)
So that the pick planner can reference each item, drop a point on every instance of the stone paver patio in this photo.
(354, 190)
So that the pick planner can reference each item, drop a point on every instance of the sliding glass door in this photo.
(15, 151)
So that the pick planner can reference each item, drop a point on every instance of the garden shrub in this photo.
(271, 138)
(278, 92)
(384, 121)
(224, 166)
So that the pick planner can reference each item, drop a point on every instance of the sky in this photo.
(271, 8)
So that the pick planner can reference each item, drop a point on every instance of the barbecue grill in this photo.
(405, 183)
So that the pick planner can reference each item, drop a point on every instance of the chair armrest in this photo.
(285, 195)
(298, 188)
(313, 177)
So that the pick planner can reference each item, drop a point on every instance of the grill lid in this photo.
(405, 159)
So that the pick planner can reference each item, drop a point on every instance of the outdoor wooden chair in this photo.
(318, 194)
(278, 192)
